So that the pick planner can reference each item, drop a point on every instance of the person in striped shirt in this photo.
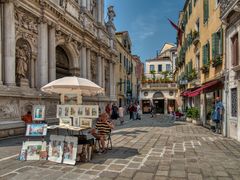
(103, 128)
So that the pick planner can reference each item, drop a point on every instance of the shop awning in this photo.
(203, 87)
(185, 93)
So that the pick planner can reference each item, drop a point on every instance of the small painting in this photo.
(65, 121)
(23, 153)
(66, 111)
(36, 130)
(95, 111)
(85, 123)
(80, 111)
(76, 122)
(38, 112)
(70, 150)
(60, 110)
(55, 151)
(87, 111)
(72, 111)
(34, 148)
(71, 99)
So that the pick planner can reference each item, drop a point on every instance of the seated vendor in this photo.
(103, 128)
(27, 118)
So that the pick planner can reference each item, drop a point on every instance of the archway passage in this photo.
(62, 63)
(158, 100)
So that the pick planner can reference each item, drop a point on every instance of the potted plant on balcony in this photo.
(205, 68)
(217, 61)
(196, 116)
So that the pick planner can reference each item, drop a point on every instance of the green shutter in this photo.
(204, 54)
(221, 42)
(207, 53)
(214, 39)
(206, 10)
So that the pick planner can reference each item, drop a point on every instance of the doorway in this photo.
(159, 104)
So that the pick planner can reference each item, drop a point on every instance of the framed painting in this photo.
(60, 111)
(87, 111)
(34, 148)
(66, 111)
(65, 121)
(70, 99)
(23, 153)
(80, 111)
(73, 111)
(55, 150)
(95, 111)
(76, 122)
(39, 112)
(86, 123)
(36, 130)
(70, 150)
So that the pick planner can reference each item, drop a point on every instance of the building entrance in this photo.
(159, 105)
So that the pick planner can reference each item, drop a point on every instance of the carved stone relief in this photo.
(94, 67)
(26, 21)
(9, 109)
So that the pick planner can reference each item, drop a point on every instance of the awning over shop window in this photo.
(203, 87)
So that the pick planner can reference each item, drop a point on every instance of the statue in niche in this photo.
(22, 59)
(111, 14)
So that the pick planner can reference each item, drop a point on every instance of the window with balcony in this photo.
(152, 68)
(159, 68)
(217, 47)
(205, 58)
(168, 67)
(205, 11)
(235, 50)
(234, 102)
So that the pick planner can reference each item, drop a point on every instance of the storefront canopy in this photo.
(203, 87)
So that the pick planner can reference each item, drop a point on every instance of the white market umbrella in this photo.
(73, 85)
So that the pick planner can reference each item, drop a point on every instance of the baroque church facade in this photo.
(43, 40)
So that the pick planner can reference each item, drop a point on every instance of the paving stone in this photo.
(134, 165)
(162, 173)
(143, 176)
(177, 173)
(109, 174)
(221, 173)
(160, 178)
(192, 176)
(116, 167)
(129, 173)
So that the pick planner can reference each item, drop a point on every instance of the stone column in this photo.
(84, 3)
(52, 54)
(99, 74)
(43, 54)
(103, 73)
(111, 80)
(84, 62)
(9, 43)
(88, 64)
(1, 54)
(102, 11)
(99, 5)
(88, 5)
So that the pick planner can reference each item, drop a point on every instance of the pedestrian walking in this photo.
(139, 112)
(121, 114)
(217, 115)
(131, 109)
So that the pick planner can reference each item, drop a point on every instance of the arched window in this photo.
(62, 63)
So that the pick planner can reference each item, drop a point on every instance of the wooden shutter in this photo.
(204, 55)
(214, 45)
(206, 10)
(207, 53)
(221, 42)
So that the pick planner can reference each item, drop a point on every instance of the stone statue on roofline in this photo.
(111, 14)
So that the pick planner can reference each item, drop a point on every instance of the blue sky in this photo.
(146, 21)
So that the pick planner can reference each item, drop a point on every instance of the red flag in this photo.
(179, 30)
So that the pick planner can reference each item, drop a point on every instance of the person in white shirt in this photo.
(121, 114)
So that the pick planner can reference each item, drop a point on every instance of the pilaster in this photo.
(9, 43)
(84, 62)
(99, 64)
(89, 63)
(43, 54)
(52, 54)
